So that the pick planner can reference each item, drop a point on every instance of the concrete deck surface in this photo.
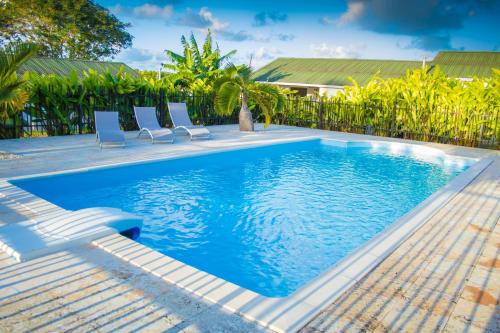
(446, 277)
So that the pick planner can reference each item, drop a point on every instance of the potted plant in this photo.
(237, 88)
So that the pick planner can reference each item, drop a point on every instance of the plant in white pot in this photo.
(237, 88)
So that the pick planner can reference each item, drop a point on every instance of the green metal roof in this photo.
(467, 64)
(63, 67)
(333, 72)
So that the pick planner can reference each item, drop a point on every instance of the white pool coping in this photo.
(34, 238)
(284, 314)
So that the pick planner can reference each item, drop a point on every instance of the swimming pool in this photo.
(269, 219)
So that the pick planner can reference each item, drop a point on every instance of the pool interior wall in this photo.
(269, 218)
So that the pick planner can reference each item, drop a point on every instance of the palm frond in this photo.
(174, 57)
(197, 57)
(207, 46)
(12, 95)
(226, 56)
(227, 98)
(13, 56)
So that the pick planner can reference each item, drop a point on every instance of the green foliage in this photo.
(196, 70)
(12, 93)
(422, 105)
(236, 87)
(57, 102)
(430, 102)
(64, 28)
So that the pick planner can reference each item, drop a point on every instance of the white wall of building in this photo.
(310, 90)
(329, 91)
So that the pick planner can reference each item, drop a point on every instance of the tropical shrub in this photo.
(429, 102)
(12, 93)
(196, 70)
(59, 103)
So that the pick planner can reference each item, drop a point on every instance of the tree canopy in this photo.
(63, 28)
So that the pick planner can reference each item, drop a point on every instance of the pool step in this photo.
(62, 230)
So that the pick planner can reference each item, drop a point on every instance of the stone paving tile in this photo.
(487, 282)
(411, 319)
(205, 323)
(474, 315)
(354, 312)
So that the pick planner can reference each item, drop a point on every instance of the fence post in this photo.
(494, 136)
(481, 129)
(393, 121)
(80, 115)
(320, 113)
(15, 127)
(162, 107)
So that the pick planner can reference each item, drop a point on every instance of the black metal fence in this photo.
(459, 126)
(74, 114)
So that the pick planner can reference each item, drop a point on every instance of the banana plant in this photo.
(195, 69)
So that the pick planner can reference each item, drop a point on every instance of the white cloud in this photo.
(153, 11)
(116, 9)
(205, 19)
(142, 58)
(324, 50)
(354, 11)
(285, 37)
(263, 55)
(215, 24)
(145, 11)
(326, 20)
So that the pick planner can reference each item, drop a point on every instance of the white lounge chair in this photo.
(148, 123)
(181, 120)
(107, 128)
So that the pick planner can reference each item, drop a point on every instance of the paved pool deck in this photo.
(445, 277)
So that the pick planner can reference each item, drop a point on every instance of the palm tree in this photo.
(12, 95)
(236, 87)
(195, 68)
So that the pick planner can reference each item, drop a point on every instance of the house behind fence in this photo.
(316, 76)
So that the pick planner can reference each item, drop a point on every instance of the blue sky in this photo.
(264, 30)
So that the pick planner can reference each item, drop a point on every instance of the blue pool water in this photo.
(269, 219)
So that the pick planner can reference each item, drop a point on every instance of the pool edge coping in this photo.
(289, 313)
